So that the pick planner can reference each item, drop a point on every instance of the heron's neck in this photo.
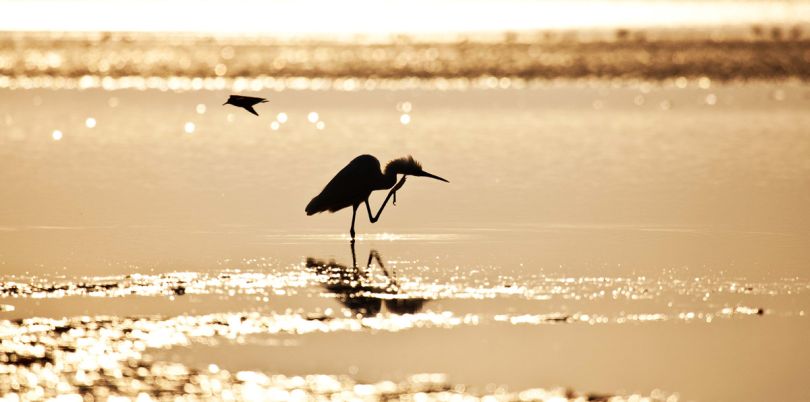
(388, 179)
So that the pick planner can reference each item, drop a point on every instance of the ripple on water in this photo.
(105, 356)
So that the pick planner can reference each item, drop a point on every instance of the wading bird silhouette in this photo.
(245, 102)
(355, 182)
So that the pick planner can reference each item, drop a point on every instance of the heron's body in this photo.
(354, 184)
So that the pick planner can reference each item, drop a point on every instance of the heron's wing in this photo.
(350, 186)
(249, 108)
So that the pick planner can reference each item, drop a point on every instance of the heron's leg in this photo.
(351, 231)
(354, 257)
(393, 191)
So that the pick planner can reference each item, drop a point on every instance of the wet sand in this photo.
(597, 238)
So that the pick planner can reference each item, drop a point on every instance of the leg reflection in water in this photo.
(355, 289)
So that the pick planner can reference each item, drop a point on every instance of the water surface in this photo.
(609, 237)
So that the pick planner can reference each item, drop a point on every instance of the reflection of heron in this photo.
(354, 290)
(355, 182)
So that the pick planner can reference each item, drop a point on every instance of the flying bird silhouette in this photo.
(355, 182)
(245, 102)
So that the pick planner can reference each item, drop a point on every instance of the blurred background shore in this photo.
(36, 59)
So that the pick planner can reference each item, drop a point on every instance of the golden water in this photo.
(611, 237)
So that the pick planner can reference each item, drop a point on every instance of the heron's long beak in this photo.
(432, 176)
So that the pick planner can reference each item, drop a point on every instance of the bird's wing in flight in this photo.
(250, 99)
(249, 108)
(255, 101)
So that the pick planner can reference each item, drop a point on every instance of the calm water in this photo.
(615, 238)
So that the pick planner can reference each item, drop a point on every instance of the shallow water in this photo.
(615, 238)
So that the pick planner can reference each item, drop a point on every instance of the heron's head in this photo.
(409, 166)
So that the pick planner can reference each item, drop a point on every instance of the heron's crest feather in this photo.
(406, 165)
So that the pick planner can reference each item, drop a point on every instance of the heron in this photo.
(245, 102)
(354, 183)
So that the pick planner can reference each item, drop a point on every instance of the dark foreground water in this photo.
(595, 239)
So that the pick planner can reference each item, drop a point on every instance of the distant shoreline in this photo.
(761, 53)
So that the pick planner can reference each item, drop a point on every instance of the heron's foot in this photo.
(397, 187)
